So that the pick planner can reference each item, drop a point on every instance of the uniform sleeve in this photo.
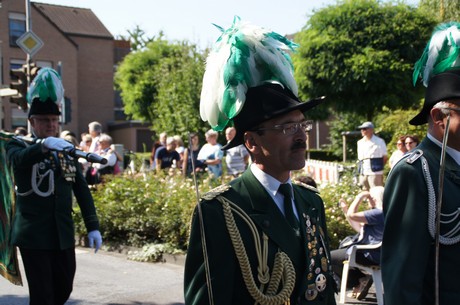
(85, 200)
(23, 156)
(406, 240)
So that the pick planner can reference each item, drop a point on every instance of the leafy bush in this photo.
(141, 210)
(337, 225)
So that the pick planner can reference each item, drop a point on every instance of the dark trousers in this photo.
(340, 255)
(50, 275)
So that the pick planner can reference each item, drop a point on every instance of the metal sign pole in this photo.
(28, 58)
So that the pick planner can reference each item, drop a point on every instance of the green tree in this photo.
(161, 84)
(179, 88)
(394, 123)
(444, 10)
(360, 54)
(138, 39)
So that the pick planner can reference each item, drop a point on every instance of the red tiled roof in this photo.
(73, 20)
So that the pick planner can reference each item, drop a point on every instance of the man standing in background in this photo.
(236, 158)
(372, 156)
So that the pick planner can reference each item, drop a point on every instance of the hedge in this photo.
(141, 210)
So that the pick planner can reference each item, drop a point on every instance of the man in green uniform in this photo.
(412, 237)
(45, 177)
(263, 239)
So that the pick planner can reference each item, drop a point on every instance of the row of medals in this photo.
(66, 164)
(316, 280)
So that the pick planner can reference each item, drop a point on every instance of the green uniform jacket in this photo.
(227, 282)
(44, 223)
(408, 248)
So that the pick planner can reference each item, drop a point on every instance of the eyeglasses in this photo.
(290, 128)
(408, 143)
(450, 108)
(399, 143)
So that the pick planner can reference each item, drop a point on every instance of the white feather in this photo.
(436, 44)
(264, 52)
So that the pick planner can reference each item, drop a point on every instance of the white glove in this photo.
(95, 236)
(58, 144)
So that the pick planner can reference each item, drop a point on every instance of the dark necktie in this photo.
(286, 190)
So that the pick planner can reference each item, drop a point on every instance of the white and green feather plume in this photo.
(440, 54)
(46, 85)
(244, 56)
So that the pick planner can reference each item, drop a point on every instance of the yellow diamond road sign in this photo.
(29, 43)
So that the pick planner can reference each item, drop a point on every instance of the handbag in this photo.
(376, 164)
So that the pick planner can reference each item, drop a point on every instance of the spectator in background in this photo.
(85, 143)
(368, 223)
(187, 168)
(211, 154)
(70, 137)
(411, 142)
(99, 170)
(180, 150)
(372, 156)
(20, 131)
(117, 168)
(95, 130)
(236, 157)
(399, 152)
(161, 142)
(167, 156)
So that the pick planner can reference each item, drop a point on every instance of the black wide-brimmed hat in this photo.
(441, 87)
(46, 107)
(263, 103)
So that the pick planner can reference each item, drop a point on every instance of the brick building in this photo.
(80, 47)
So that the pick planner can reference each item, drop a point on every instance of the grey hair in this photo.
(95, 126)
(442, 105)
(211, 133)
(170, 140)
(105, 138)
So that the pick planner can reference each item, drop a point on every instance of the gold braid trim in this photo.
(283, 270)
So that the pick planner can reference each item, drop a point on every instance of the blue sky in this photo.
(192, 19)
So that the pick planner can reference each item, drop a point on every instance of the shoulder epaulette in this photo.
(216, 192)
(306, 186)
(413, 156)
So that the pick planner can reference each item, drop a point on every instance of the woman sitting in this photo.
(369, 225)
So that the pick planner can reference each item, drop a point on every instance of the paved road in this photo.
(107, 278)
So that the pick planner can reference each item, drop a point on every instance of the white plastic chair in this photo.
(372, 270)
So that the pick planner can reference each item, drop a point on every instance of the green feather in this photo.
(46, 85)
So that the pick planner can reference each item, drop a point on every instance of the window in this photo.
(17, 24)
